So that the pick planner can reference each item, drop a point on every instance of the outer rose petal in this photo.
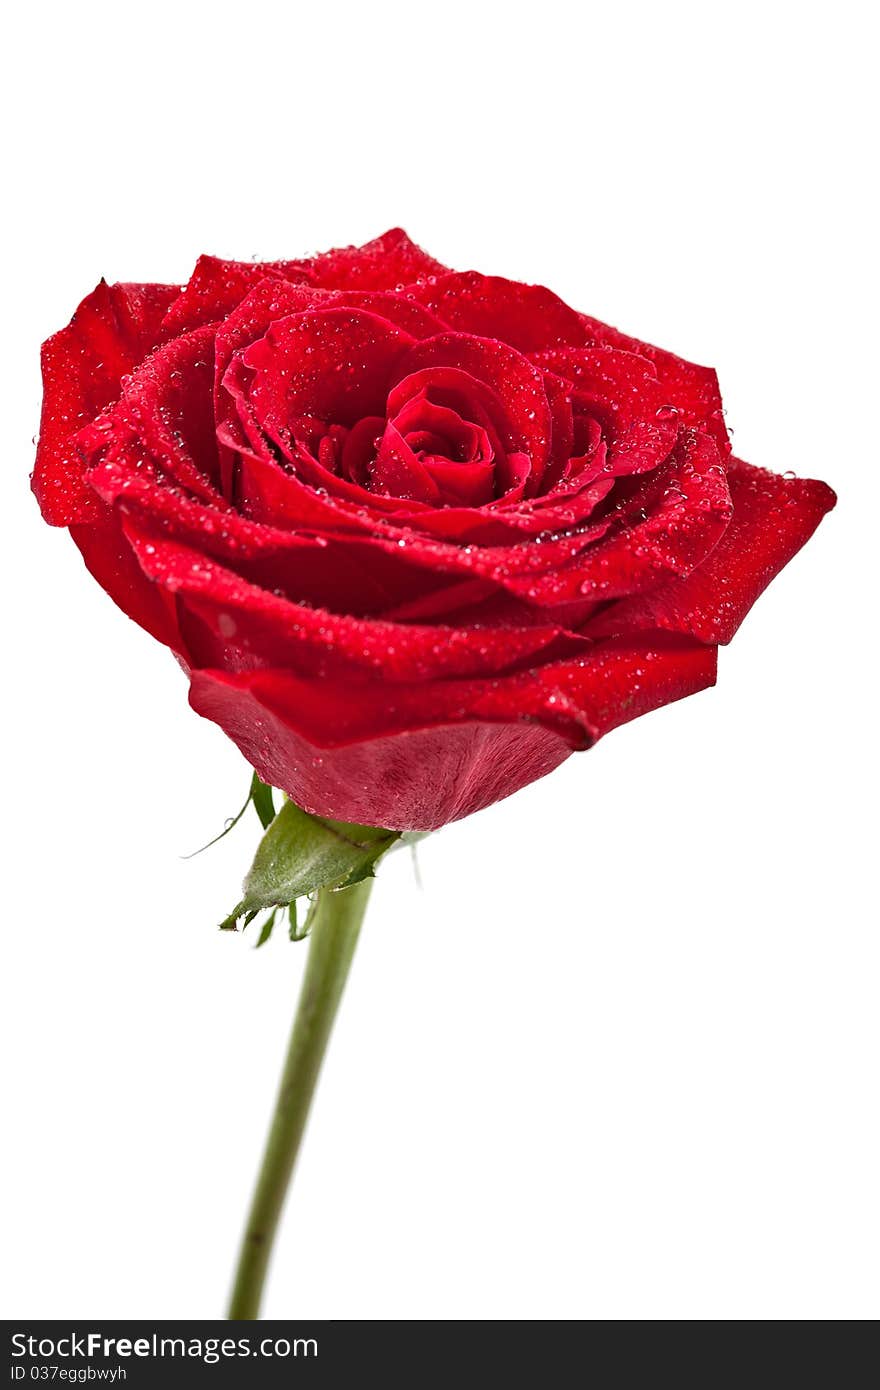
(340, 559)
(415, 781)
(110, 333)
(272, 299)
(242, 626)
(216, 286)
(166, 414)
(389, 262)
(110, 560)
(527, 317)
(692, 388)
(658, 535)
(333, 364)
(773, 517)
(417, 757)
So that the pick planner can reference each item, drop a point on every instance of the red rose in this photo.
(415, 535)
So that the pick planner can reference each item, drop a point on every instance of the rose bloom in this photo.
(414, 535)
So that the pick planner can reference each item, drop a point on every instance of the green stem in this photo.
(334, 934)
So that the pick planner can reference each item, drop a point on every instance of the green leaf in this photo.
(261, 796)
(266, 929)
(230, 923)
(299, 854)
(297, 931)
(310, 917)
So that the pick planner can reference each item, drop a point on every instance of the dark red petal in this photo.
(336, 553)
(244, 626)
(385, 304)
(313, 495)
(389, 262)
(266, 303)
(461, 439)
(111, 332)
(317, 499)
(663, 526)
(469, 484)
(667, 524)
(527, 317)
(561, 570)
(510, 377)
(414, 781)
(274, 299)
(621, 391)
(559, 399)
(692, 389)
(309, 564)
(773, 517)
(415, 758)
(217, 286)
(472, 400)
(333, 364)
(109, 559)
(397, 472)
(165, 416)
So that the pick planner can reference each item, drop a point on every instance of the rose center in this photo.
(424, 452)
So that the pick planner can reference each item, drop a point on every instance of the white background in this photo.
(618, 1059)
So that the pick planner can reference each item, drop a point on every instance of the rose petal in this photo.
(312, 564)
(692, 389)
(217, 286)
(666, 524)
(396, 472)
(526, 423)
(109, 559)
(772, 518)
(389, 262)
(620, 390)
(527, 317)
(166, 415)
(243, 626)
(111, 332)
(336, 365)
(415, 758)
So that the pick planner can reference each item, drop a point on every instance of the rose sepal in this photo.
(299, 855)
